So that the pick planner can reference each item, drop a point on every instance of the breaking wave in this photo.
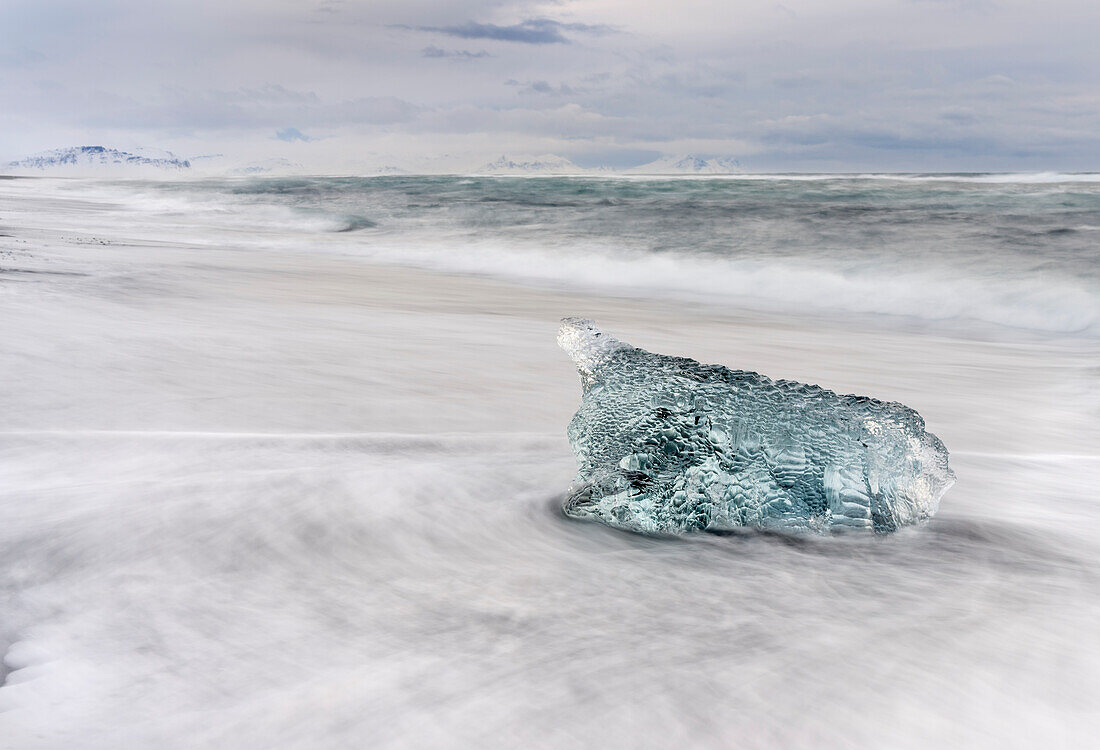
(1011, 250)
(355, 223)
(780, 285)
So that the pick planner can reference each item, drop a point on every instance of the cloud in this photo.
(454, 54)
(910, 85)
(794, 81)
(543, 87)
(265, 107)
(291, 134)
(959, 116)
(20, 58)
(531, 31)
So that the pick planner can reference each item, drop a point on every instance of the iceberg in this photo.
(667, 446)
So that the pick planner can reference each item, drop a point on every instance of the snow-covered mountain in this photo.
(276, 166)
(545, 164)
(690, 164)
(97, 158)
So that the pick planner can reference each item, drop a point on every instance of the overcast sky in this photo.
(794, 85)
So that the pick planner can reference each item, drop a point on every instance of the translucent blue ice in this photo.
(666, 445)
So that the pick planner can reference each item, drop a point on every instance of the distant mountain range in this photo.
(554, 164)
(388, 170)
(690, 164)
(99, 157)
(268, 166)
(546, 164)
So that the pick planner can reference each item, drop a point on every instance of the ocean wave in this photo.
(997, 178)
(778, 285)
(991, 178)
(993, 255)
(354, 224)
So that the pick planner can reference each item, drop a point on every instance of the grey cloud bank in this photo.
(531, 31)
(459, 54)
(292, 134)
(812, 86)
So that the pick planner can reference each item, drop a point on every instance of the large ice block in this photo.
(666, 445)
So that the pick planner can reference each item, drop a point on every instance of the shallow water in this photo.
(275, 496)
(260, 591)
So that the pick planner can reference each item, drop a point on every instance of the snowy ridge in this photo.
(690, 164)
(97, 160)
(545, 164)
(99, 157)
(277, 166)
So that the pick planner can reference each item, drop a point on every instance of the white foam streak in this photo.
(777, 285)
(986, 178)
(183, 592)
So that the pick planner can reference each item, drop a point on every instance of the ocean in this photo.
(281, 460)
(1018, 251)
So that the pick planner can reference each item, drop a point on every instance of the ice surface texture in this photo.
(666, 445)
